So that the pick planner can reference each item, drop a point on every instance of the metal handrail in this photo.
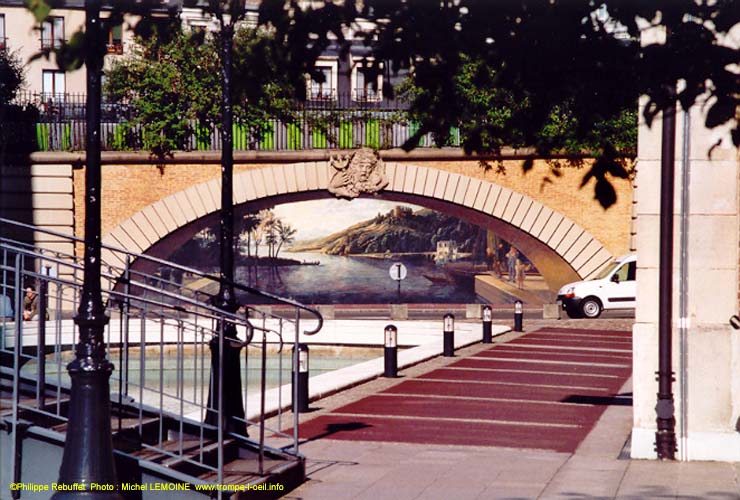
(145, 314)
(134, 256)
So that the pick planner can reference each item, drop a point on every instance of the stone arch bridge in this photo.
(152, 209)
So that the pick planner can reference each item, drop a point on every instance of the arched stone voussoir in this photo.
(556, 244)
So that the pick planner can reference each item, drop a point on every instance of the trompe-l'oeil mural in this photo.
(340, 251)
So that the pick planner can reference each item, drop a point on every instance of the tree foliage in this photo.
(550, 74)
(558, 74)
(173, 83)
(16, 121)
(12, 76)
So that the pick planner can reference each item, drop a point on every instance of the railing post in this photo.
(294, 385)
(41, 344)
(15, 438)
(263, 388)
(220, 407)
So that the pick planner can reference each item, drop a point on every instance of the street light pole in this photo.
(226, 300)
(88, 450)
(665, 436)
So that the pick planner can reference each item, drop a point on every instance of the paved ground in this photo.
(543, 390)
(595, 467)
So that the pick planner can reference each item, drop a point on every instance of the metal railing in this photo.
(161, 390)
(345, 122)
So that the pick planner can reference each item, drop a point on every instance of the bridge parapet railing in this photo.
(56, 122)
(158, 337)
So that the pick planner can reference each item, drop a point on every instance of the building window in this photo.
(52, 85)
(3, 42)
(367, 81)
(323, 87)
(52, 33)
(115, 40)
(199, 29)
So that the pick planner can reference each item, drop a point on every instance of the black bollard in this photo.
(391, 352)
(448, 335)
(487, 321)
(518, 314)
(302, 378)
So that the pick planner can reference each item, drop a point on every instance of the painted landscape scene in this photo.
(338, 251)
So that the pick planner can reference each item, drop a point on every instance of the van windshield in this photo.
(606, 270)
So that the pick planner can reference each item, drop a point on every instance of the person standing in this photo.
(511, 258)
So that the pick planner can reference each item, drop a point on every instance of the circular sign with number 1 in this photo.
(398, 271)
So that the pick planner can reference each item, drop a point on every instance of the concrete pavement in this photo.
(422, 340)
(599, 467)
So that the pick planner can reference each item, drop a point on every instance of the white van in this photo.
(613, 288)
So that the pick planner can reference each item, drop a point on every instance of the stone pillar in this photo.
(707, 394)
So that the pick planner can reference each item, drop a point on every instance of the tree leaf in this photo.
(71, 55)
(39, 8)
(722, 111)
(527, 165)
(587, 177)
(604, 192)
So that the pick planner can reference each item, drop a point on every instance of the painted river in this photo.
(359, 280)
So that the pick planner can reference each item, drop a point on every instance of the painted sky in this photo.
(318, 218)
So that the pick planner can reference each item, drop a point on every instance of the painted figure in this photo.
(521, 271)
(511, 258)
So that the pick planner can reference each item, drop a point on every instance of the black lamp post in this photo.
(232, 405)
(665, 435)
(88, 450)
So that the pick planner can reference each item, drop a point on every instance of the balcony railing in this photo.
(114, 48)
(322, 94)
(51, 43)
(366, 95)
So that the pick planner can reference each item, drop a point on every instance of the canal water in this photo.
(168, 371)
(359, 280)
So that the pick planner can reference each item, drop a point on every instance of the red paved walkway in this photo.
(543, 390)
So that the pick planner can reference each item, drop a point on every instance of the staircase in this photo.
(167, 433)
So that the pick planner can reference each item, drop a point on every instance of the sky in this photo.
(318, 218)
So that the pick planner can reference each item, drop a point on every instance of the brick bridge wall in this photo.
(131, 182)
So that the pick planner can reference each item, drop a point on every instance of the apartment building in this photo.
(349, 77)
(22, 35)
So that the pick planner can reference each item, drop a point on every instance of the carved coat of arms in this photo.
(361, 171)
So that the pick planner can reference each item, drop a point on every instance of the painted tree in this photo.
(285, 234)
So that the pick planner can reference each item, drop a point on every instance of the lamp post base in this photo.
(88, 470)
